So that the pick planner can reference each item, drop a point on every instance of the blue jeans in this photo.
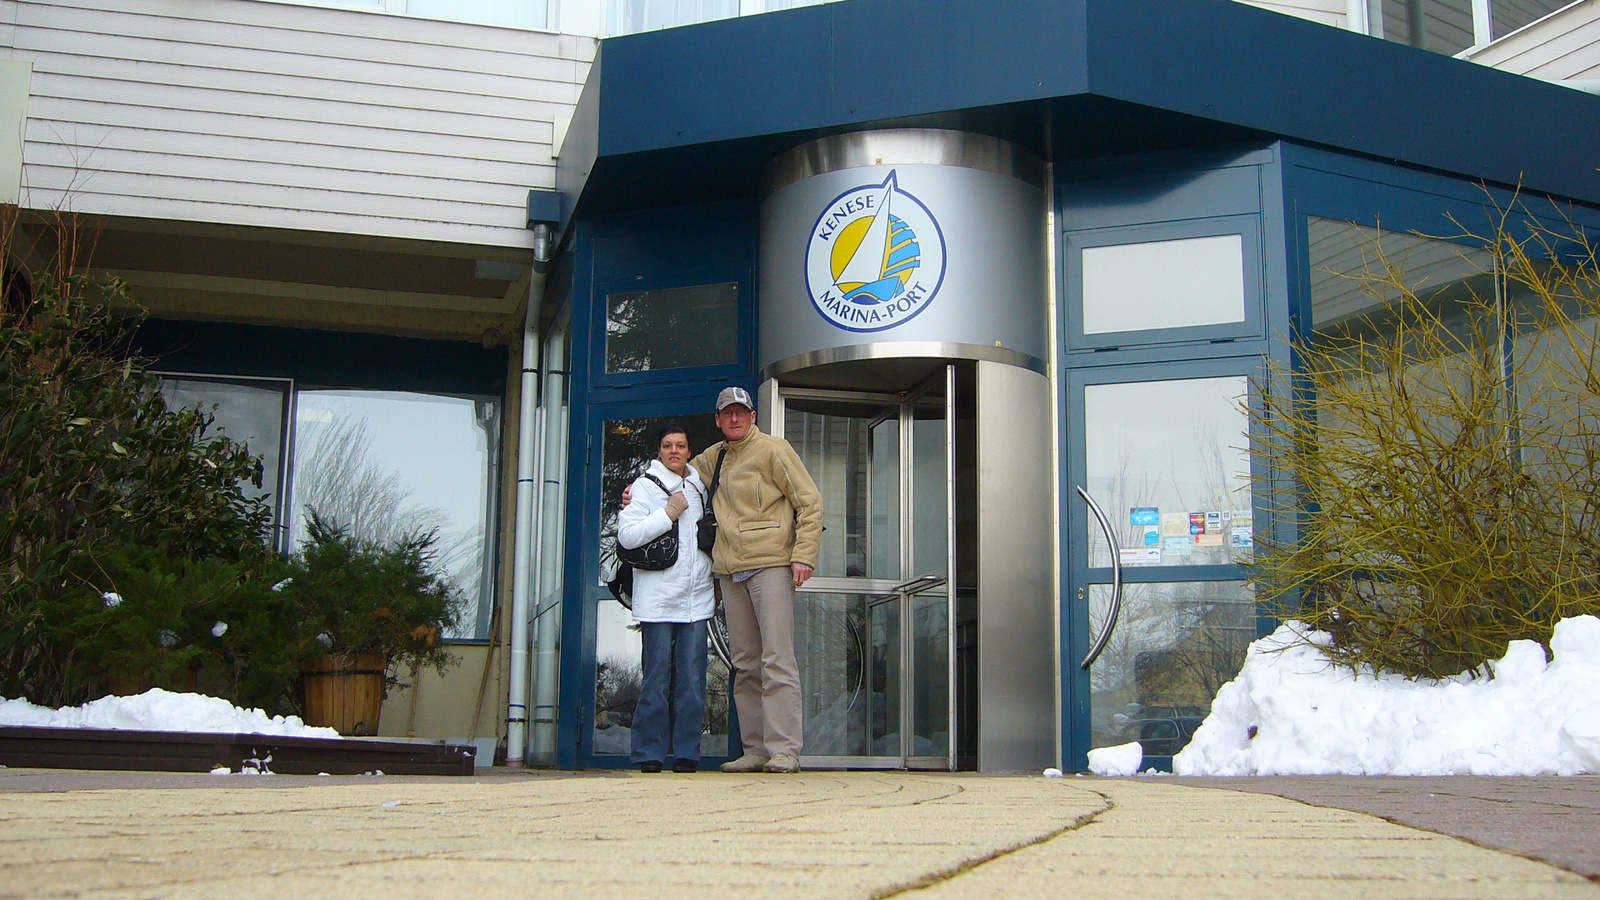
(672, 699)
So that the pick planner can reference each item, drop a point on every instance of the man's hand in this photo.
(627, 495)
(801, 573)
(676, 504)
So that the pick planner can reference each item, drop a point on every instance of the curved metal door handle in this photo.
(1116, 581)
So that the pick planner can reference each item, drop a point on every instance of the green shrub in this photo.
(91, 460)
(357, 596)
(1446, 491)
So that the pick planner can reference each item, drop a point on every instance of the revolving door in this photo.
(873, 626)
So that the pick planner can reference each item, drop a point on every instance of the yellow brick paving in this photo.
(712, 835)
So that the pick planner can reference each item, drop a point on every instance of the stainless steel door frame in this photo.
(775, 397)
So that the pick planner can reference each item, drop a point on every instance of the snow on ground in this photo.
(159, 710)
(1291, 712)
(1123, 759)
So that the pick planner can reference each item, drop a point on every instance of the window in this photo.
(385, 464)
(1195, 280)
(673, 328)
(629, 16)
(1163, 284)
(251, 411)
(515, 13)
(1342, 255)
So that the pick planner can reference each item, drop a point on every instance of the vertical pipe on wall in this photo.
(1355, 16)
(521, 571)
(548, 556)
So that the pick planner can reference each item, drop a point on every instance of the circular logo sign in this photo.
(875, 258)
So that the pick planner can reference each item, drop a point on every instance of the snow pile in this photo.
(1123, 759)
(159, 710)
(1292, 712)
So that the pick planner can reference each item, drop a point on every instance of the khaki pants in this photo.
(766, 684)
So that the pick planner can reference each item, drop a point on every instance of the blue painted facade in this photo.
(1160, 119)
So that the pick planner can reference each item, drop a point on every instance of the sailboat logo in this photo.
(875, 257)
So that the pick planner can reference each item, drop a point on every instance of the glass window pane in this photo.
(516, 13)
(930, 542)
(1174, 646)
(1507, 16)
(930, 690)
(852, 451)
(629, 16)
(1168, 462)
(672, 329)
(1443, 26)
(251, 412)
(1349, 262)
(1163, 284)
(385, 464)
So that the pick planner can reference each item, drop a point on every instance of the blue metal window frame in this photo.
(1075, 632)
(661, 248)
(1183, 194)
(1248, 227)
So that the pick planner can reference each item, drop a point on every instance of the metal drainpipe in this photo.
(552, 493)
(522, 572)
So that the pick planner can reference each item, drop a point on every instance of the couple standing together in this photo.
(769, 528)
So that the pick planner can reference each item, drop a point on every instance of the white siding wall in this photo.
(259, 113)
(1328, 12)
(1563, 45)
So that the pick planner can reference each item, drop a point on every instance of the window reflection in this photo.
(1174, 647)
(386, 464)
(626, 450)
(1168, 462)
(1349, 262)
(250, 411)
(852, 451)
(617, 681)
(671, 329)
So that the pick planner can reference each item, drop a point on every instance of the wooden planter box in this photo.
(345, 692)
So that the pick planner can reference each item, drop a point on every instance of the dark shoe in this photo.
(682, 766)
(650, 768)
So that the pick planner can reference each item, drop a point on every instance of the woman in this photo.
(672, 607)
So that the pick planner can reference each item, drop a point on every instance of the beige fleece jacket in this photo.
(769, 511)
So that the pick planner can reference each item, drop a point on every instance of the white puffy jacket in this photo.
(681, 593)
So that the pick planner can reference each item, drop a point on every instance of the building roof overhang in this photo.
(695, 112)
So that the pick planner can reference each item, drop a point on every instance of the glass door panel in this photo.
(930, 691)
(872, 628)
(848, 649)
(626, 450)
(1169, 463)
(852, 450)
(1175, 645)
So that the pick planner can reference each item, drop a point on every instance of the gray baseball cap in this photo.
(732, 395)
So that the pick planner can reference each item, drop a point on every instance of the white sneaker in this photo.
(744, 764)
(782, 764)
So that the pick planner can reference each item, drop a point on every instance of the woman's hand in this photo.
(676, 504)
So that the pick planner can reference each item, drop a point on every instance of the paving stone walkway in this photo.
(858, 834)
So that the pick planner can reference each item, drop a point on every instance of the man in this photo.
(769, 528)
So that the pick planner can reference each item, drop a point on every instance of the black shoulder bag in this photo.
(658, 554)
(706, 536)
